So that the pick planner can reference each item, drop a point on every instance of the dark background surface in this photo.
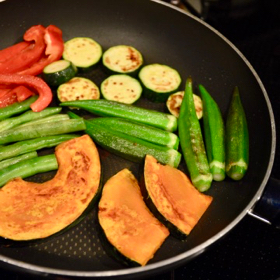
(252, 249)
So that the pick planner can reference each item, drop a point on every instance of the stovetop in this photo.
(252, 249)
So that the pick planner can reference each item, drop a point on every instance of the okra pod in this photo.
(214, 135)
(44, 129)
(145, 132)
(106, 108)
(36, 144)
(27, 117)
(129, 147)
(28, 167)
(237, 139)
(192, 143)
(16, 108)
(13, 160)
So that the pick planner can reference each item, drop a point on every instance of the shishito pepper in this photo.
(237, 139)
(191, 142)
(214, 135)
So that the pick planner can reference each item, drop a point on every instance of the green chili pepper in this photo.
(191, 142)
(214, 134)
(28, 168)
(237, 139)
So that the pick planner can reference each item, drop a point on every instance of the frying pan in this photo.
(166, 35)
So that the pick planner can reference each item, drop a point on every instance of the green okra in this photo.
(106, 108)
(214, 135)
(44, 129)
(13, 160)
(129, 147)
(16, 108)
(237, 139)
(145, 132)
(192, 143)
(27, 117)
(28, 167)
(26, 146)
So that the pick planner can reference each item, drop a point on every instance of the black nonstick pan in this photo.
(163, 35)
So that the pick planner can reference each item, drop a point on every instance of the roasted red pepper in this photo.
(32, 83)
(13, 50)
(27, 56)
(53, 52)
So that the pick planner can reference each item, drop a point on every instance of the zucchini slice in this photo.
(121, 88)
(126, 221)
(59, 72)
(122, 59)
(174, 102)
(78, 88)
(159, 81)
(83, 52)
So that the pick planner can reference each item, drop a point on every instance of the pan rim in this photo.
(183, 257)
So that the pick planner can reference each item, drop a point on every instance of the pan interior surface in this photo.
(167, 36)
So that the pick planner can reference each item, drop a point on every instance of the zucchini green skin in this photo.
(129, 147)
(145, 132)
(28, 168)
(61, 75)
(214, 135)
(16, 108)
(237, 139)
(27, 117)
(44, 129)
(192, 143)
(157, 92)
(105, 108)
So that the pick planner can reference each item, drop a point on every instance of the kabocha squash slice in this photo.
(37, 210)
(172, 198)
(126, 221)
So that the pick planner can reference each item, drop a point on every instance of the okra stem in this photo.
(28, 168)
(44, 129)
(26, 146)
(27, 117)
(191, 142)
(214, 135)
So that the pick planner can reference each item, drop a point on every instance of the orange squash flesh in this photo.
(127, 222)
(37, 210)
(173, 195)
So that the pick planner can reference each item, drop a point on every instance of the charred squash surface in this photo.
(37, 210)
(177, 203)
(127, 222)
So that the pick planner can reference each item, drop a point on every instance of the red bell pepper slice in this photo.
(7, 98)
(54, 50)
(31, 82)
(28, 56)
(13, 50)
